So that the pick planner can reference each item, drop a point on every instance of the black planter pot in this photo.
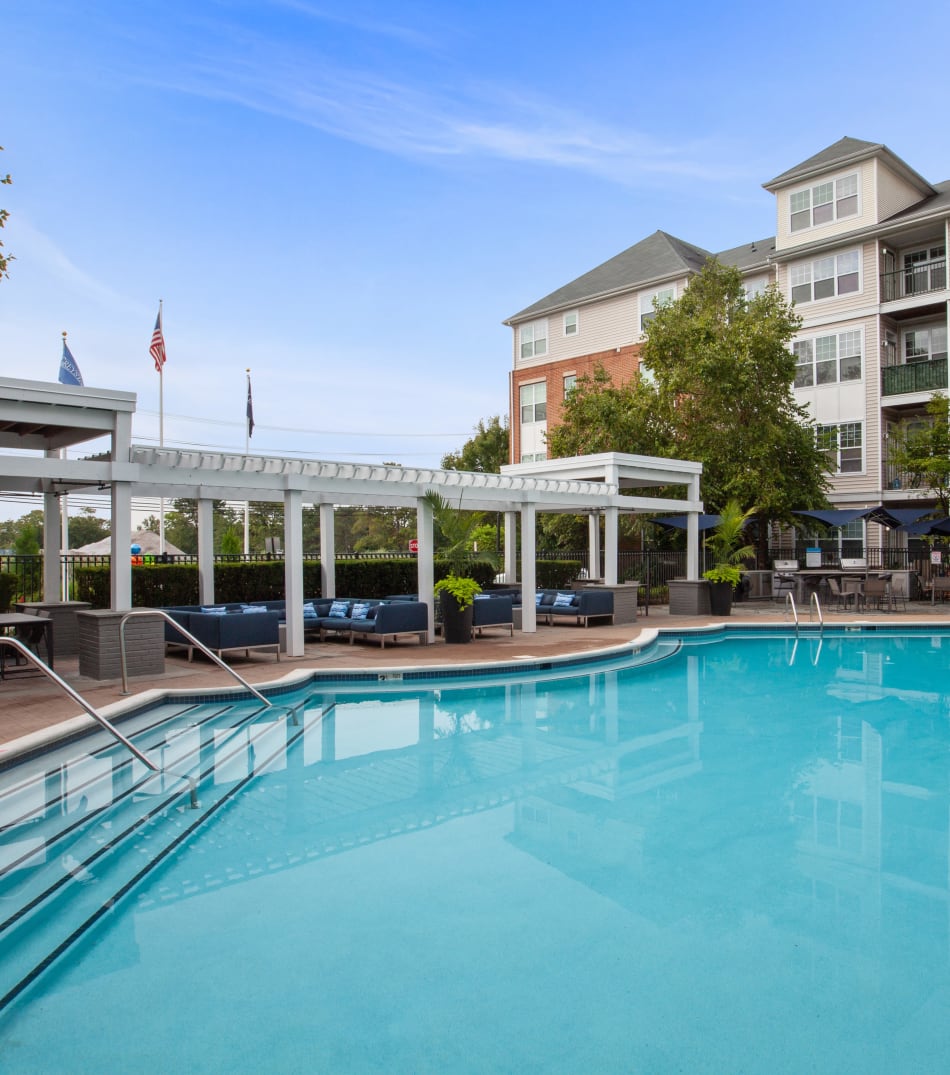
(456, 622)
(720, 598)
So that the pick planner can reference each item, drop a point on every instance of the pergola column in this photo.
(692, 533)
(205, 551)
(121, 546)
(327, 551)
(529, 569)
(511, 547)
(293, 571)
(52, 544)
(425, 566)
(611, 545)
(593, 545)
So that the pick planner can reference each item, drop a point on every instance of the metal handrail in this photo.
(813, 600)
(192, 640)
(16, 644)
(790, 600)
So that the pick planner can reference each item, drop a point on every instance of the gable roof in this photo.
(658, 257)
(842, 153)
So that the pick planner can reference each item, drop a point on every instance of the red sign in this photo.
(414, 545)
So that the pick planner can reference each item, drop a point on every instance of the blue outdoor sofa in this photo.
(224, 628)
(372, 619)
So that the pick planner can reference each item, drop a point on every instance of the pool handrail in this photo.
(813, 600)
(35, 660)
(192, 641)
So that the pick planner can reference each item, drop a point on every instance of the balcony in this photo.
(914, 280)
(930, 376)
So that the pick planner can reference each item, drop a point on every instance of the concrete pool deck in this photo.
(32, 704)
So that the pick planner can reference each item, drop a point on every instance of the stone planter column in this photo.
(65, 624)
(99, 654)
(689, 597)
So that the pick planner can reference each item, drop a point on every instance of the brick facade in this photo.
(620, 363)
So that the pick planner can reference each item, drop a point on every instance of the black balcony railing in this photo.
(914, 280)
(914, 377)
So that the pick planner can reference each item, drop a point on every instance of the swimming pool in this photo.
(729, 852)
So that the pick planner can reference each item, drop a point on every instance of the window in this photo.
(824, 203)
(844, 444)
(826, 277)
(534, 339)
(755, 285)
(569, 381)
(828, 359)
(925, 270)
(650, 303)
(570, 323)
(925, 344)
(534, 406)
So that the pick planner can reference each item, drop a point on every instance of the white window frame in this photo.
(833, 358)
(534, 410)
(570, 380)
(826, 278)
(533, 338)
(824, 203)
(572, 324)
(844, 442)
(924, 343)
(650, 301)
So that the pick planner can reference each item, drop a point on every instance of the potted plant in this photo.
(453, 541)
(724, 541)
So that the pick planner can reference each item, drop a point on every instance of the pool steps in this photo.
(83, 813)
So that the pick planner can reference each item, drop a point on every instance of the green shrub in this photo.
(8, 589)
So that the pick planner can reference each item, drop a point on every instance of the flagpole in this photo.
(161, 433)
(247, 449)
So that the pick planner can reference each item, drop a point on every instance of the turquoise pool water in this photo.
(731, 856)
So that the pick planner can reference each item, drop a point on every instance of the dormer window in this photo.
(824, 203)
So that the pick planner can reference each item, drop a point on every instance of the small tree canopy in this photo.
(486, 452)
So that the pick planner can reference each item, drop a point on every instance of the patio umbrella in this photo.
(679, 522)
(843, 516)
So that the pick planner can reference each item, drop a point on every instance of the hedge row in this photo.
(161, 585)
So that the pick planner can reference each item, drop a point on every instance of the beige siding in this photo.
(786, 239)
(833, 309)
(893, 193)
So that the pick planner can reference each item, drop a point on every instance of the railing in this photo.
(25, 651)
(292, 710)
(914, 280)
(926, 376)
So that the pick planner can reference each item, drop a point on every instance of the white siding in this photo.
(832, 309)
(786, 239)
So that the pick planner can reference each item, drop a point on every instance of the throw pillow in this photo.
(360, 610)
(309, 612)
(254, 608)
(339, 609)
(564, 600)
(214, 610)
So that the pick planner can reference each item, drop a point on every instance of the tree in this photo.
(720, 392)
(5, 259)
(87, 527)
(181, 523)
(486, 452)
(600, 416)
(922, 455)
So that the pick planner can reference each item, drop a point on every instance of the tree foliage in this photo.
(486, 452)
(719, 391)
(922, 455)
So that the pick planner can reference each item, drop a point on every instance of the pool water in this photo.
(733, 858)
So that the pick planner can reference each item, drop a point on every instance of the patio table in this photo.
(21, 623)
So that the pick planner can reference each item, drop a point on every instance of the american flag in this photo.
(250, 408)
(157, 349)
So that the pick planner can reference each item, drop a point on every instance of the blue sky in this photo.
(349, 198)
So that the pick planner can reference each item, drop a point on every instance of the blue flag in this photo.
(68, 370)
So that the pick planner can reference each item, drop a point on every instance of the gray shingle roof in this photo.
(658, 257)
(848, 151)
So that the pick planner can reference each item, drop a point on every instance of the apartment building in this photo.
(860, 247)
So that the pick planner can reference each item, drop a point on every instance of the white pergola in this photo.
(39, 419)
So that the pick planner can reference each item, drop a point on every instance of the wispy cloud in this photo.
(420, 119)
(352, 20)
